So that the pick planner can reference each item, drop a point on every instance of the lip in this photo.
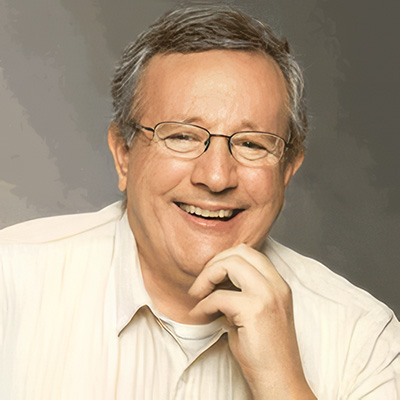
(210, 207)
(215, 224)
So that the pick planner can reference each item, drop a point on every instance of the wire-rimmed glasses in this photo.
(250, 148)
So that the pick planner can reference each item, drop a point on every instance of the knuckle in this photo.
(276, 296)
(242, 248)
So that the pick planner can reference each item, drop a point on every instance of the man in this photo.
(178, 293)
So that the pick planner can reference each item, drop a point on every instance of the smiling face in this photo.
(174, 205)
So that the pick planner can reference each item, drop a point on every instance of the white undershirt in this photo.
(192, 338)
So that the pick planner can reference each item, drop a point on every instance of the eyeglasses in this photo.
(191, 141)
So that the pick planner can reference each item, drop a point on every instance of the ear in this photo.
(120, 152)
(291, 169)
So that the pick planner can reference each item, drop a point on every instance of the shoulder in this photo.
(50, 229)
(69, 254)
(310, 277)
(343, 332)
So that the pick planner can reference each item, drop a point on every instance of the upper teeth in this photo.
(206, 213)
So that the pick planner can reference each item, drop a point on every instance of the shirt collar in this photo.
(131, 293)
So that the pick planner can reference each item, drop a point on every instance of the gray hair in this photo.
(196, 29)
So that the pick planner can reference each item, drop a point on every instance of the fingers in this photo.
(247, 253)
(207, 281)
(245, 267)
(239, 271)
(225, 301)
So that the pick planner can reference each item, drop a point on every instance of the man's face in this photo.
(225, 92)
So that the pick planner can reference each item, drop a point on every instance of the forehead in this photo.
(214, 86)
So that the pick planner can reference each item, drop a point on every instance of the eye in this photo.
(184, 141)
(251, 145)
(183, 137)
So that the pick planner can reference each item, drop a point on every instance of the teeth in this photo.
(206, 213)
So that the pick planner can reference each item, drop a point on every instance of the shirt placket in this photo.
(180, 392)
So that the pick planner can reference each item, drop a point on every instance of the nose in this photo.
(216, 169)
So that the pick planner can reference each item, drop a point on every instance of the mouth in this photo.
(219, 215)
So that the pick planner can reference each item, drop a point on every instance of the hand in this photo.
(262, 337)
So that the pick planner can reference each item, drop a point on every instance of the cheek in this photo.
(152, 174)
(264, 187)
(266, 190)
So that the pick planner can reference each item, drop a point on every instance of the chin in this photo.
(194, 260)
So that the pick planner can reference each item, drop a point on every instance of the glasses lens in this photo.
(187, 140)
(257, 148)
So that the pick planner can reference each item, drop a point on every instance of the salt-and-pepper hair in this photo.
(196, 29)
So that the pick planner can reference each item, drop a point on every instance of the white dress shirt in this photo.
(77, 323)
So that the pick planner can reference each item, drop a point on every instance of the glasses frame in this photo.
(138, 126)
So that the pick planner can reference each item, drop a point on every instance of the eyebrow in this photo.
(246, 125)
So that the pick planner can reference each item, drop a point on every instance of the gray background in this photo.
(56, 60)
